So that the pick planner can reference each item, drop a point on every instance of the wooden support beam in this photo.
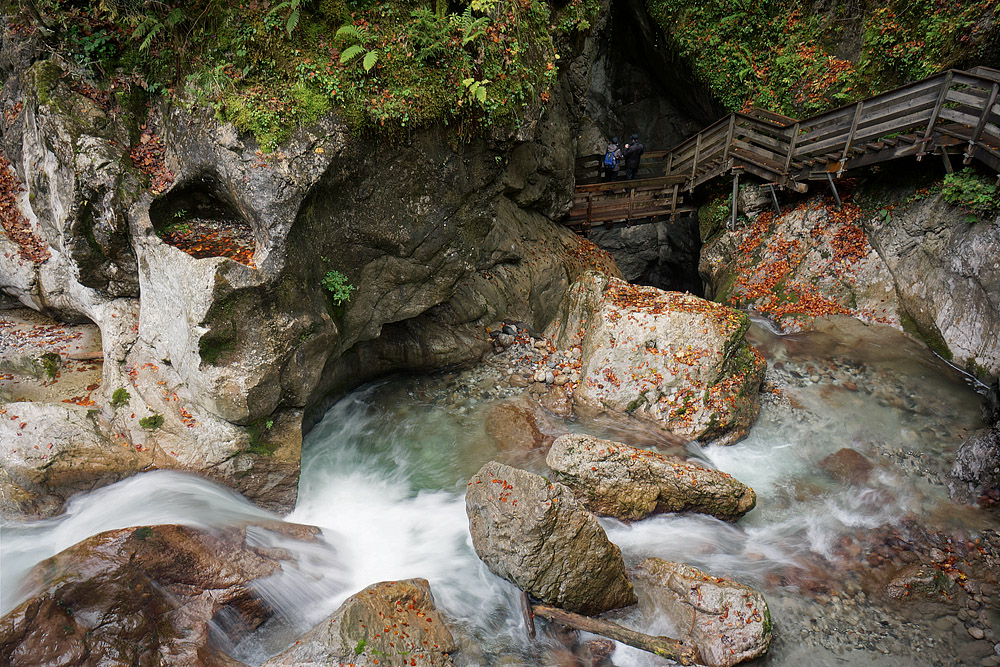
(665, 647)
(791, 147)
(947, 161)
(697, 154)
(529, 618)
(774, 198)
(850, 135)
(984, 117)
(729, 136)
(942, 95)
(673, 202)
(736, 196)
(833, 186)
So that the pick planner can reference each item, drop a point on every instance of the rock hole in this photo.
(201, 219)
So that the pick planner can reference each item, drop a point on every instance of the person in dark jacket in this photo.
(633, 152)
(612, 160)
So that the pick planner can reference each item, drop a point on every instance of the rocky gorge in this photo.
(609, 448)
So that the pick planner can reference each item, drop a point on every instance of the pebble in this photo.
(549, 377)
(977, 633)
(540, 375)
(561, 380)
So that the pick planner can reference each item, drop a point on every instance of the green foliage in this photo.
(392, 67)
(971, 191)
(360, 648)
(51, 362)
(783, 56)
(336, 284)
(120, 397)
(151, 422)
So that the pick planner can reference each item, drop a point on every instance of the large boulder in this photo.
(615, 479)
(535, 534)
(728, 622)
(139, 596)
(671, 359)
(390, 624)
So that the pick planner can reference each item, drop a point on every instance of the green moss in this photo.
(46, 75)
(712, 218)
(151, 422)
(258, 432)
(212, 348)
(120, 397)
(768, 624)
(143, 533)
(932, 338)
(51, 362)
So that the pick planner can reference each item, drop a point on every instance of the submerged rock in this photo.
(615, 479)
(512, 426)
(390, 624)
(728, 622)
(847, 465)
(139, 596)
(668, 358)
(535, 534)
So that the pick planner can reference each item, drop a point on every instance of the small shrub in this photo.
(151, 422)
(120, 397)
(336, 284)
(971, 191)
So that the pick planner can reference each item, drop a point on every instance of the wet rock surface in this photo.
(666, 358)
(140, 596)
(391, 623)
(536, 535)
(729, 622)
(976, 472)
(615, 479)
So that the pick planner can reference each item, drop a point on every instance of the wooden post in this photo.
(729, 136)
(697, 156)
(947, 161)
(774, 198)
(590, 208)
(631, 203)
(937, 111)
(836, 195)
(791, 149)
(990, 101)
(529, 618)
(673, 202)
(670, 162)
(736, 194)
(850, 136)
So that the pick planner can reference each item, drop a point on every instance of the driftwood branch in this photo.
(665, 647)
(529, 619)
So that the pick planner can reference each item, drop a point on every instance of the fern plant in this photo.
(361, 39)
(293, 14)
(148, 27)
(471, 27)
(477, 89)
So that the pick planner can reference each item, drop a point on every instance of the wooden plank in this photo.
(729, 135)
(956, 116)
(854, 128)
(751, 136)
(754, 158)
(872, 128)
(791, 146)
(772, 117)
(916, 119)
(774, 156)
(697, 154)
(985, 72)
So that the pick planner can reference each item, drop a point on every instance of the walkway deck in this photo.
(954, 113)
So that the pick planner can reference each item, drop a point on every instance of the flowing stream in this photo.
(384, 474)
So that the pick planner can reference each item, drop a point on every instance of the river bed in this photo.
(384, 474)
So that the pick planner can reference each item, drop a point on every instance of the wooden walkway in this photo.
(954, 113)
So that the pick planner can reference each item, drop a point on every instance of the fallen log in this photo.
(529, 620)
(665, 647)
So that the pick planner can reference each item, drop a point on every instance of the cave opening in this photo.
(201, 219)
(638, 86)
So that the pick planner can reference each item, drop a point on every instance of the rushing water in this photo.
(384, 476)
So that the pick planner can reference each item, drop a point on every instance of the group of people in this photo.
(613, 158)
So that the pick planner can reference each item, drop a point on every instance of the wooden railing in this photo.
(952, 113)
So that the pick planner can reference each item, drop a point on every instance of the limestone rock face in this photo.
(536, 535)
(946, 275)
(137, 596)
(729, 622)
(672, 359)
(356, 633)
(615, 479)
(51, 451)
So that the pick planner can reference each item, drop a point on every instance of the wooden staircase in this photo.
(954, 113)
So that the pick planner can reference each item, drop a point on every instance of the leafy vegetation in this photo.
(785, 57)
(336, 284)
(971, 191)
(268, 66)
